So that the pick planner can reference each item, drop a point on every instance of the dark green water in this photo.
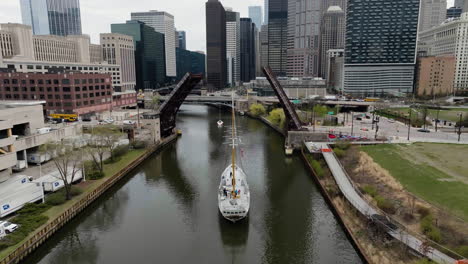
(166, 211)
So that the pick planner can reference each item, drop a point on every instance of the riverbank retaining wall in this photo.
(50, 228)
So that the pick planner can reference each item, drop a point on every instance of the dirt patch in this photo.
(365, 172)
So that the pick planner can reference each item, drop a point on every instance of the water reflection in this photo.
(234, 238)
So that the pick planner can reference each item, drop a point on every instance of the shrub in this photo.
(385, 204)
(370, 190)
(434, 235)
(423, 211)
(92, 172)
(119, 151)
(317, 168)
(257, 110)
(75, 191)
(138, 144)
(56, 198)
(463, 251)
(339, 152)
(343, 144)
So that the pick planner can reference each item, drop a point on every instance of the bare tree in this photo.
(67, 160)
(104, 139)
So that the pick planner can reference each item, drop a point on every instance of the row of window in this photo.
(57, 89)
(51, 97)
(54, 81)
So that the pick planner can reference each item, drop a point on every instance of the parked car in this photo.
(391, 120)
(101, 122)
(86, 119)
(9, 227)
(364, 129)
(129, 122)
(56, 120)
(109, 120)
(422, 130)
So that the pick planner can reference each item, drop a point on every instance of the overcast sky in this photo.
(97, 15)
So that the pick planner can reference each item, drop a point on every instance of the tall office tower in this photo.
(176, 41)
(265, 10)
(333, 34)
(216, 66)
(258, 65)
(233, 46)
(380, 50)
(263, 47)
(255, 13)
(150, 64)
(433, 13)
(52, 17)
(182, 39)
(119, 49)
(247, 49)
(303, 55)
(327, 3)
(277, 35)
(163, 23)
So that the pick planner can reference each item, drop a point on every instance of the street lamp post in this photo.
(352, 123)
(437, 119)
(409, 122)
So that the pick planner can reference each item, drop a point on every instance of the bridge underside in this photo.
(168, 110)
(293, 121)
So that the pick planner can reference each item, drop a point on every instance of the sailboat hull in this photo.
(233, 207)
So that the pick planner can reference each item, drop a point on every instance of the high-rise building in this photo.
(265, 7)
(380, 50)
(303, 55)
(247, 49)
(449, 39)
(182, 39)
(189, 61)
(216, 45)
(54, 17)
(459, 3)
(332, 34)
(163, 23)
(233, 46)
(433, 13)
(435, 76)
(119, 49)
(263, 39)
(278, 35)
(150, 64)
(255, 13)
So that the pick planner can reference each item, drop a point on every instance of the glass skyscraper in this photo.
(55, 17)
(380, 52)
(255, 13)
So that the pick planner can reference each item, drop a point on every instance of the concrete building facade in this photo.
(163, 23)
(433, 13)
(435, 76)
(379, 59)
(118, 49)
(449, 39)
(54, 17)
(233, 31)
(335, 68)
(332, 35)
(305, 87)
(216, 62)
(303, 55)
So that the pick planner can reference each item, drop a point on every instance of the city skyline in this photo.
(96, 17)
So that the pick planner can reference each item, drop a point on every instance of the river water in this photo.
(166, 210)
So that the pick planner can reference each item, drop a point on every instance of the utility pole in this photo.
(409, 122)
(437, 119)
(352, 123)
(373, 118)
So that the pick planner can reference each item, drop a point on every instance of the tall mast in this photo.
(233, 145)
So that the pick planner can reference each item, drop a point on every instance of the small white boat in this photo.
(220, 123)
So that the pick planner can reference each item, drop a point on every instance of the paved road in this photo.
(349, 191)
(395, 130)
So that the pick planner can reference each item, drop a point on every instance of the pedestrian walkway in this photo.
(350, 192)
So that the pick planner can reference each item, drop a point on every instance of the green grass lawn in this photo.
(54, 212)
(423, 179)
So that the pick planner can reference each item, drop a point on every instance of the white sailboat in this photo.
(233, 192)
(220, 122)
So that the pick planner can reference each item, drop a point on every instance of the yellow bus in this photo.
(372, 99)
(68, 117)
